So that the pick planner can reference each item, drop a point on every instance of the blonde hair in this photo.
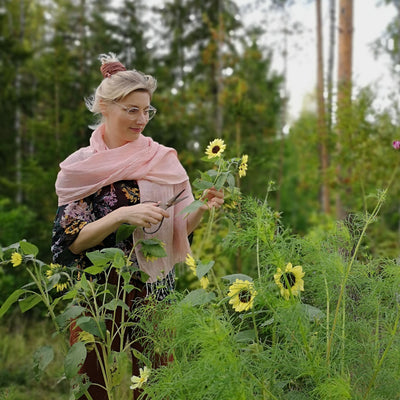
(118, 84)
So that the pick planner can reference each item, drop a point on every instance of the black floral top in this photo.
(71, 218)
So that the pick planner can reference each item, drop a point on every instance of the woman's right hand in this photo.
(143, 214)
(92, 234)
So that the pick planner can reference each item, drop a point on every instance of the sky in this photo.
(369, 22)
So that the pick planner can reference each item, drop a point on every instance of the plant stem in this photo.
(380, 362)
(370, 219)
(255, 325)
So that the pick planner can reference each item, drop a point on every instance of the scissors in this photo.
(169, 203)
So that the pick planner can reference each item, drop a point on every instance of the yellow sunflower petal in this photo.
(215, 148)
(16, 259)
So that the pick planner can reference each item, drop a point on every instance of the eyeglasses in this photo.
(133, 112)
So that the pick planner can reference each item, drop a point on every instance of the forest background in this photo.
(214, 80)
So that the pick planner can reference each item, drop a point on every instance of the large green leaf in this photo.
(28, 248)
(118, 362)
(114, 303)
(199, 297)
(29, 302)
(74, 359)
(88, 324)
(232, 278)
(11, 300)
(70, 313)
(95, 269)
(194, 206)
(203, 269)
(124, 231)
(42, 358)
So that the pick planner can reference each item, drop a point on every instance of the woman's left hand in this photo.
(214, 197)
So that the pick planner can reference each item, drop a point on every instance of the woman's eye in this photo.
(133, 110)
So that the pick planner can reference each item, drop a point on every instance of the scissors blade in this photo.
(174, 200)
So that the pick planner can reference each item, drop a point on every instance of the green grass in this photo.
(20, 337)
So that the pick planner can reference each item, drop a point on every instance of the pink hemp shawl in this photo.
(159, 175)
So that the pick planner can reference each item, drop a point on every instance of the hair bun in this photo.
(110, 68)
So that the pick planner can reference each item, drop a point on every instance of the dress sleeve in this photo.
(69, 221)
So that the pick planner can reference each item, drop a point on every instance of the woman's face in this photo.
(126, 119)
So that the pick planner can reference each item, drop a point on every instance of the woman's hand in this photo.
(92, 234)
(143, 214)
(214, 197)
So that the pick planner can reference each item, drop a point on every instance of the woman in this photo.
(122, 177)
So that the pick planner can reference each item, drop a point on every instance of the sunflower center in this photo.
(244, 296)
(215, 149)
(288, 278)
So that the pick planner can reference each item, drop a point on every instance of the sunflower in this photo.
(61, 271)
(139, 381)
(242, 295)
(191, 263)
(243, 166)
(215, 148)
(16, 259)
(290, 281)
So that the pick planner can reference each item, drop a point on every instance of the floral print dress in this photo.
(71, 218)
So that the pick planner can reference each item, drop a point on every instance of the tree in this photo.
(322, 128)
(344, 89)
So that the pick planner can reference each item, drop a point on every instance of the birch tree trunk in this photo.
(321, 117)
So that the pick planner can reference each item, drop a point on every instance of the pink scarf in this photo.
(159, 174)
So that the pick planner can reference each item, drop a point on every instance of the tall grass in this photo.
(338, 340)
(20, 337)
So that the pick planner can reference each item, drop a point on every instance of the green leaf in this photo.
(29, 302)
(231, 181)
(313, 313)
(111, 252)
(194, 206)
(42, 358)
(97, 258)
(95, 269)
(11, 300)
(123, 232)
(202, 184)
(79, 385)
(74, 359)
(88, 324)
(199, 297)
(152, 248)
(104, 256)
(118, 362)
(71, 312)
(245, 336)
(128, 288)
(119, 261)
(70, 295)
(114, 303)
(220, 181)
(85, 285)
(232, 278)
(28, 248)
(203, 269)
(142, 358)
